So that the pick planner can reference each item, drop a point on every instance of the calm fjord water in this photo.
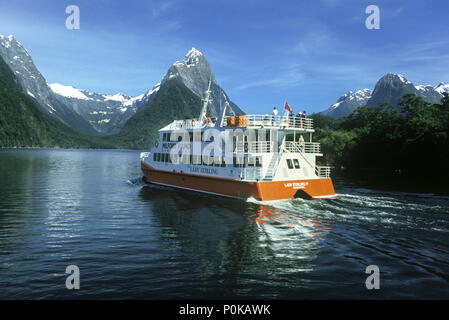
(90, 209)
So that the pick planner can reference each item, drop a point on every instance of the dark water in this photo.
(89, 208)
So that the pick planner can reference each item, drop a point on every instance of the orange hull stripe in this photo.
(263, 190)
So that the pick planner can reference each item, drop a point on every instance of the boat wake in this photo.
(136, 182)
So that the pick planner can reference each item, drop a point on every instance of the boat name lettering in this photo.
(203, 170)
(296, 185)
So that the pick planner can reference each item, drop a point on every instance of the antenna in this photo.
(206, 101)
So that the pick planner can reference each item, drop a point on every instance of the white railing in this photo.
(306, 147)
(260, 120)
(323, 172)
(253, 147)
(183, 124)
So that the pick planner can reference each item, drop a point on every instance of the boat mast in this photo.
(206, 101)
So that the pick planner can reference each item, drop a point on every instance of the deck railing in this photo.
(259, 120)
(183, 124)
(323, 172)
(253, 147)
(306, 147)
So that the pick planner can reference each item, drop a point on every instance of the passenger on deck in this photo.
(301, 143)
(298, 120)
(275, 113)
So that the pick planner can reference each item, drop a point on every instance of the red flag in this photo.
(287, 107)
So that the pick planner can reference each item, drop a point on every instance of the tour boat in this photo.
(261, 156)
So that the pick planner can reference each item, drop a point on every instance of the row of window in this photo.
(294, 163)
(166, 136)
(196, 160)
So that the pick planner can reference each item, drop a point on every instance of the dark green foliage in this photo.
(23, 124)
(414, 143)
(173, 101)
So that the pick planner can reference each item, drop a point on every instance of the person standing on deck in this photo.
(303, 118)
(301, 143)
(275, 113)
(298, 120)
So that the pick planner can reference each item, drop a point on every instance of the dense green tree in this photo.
(414, 142)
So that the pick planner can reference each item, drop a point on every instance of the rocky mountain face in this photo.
(102, 114)
(24, 124)
(173, 101)
(82, 110)
(390, 88)
(34, 84)
(105, 113)
(195, 72)
(348, 103)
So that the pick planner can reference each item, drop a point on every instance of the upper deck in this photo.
(252, 121)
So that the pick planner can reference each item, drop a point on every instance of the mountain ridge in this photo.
(105, 114)
(390, 88)
(24, 125)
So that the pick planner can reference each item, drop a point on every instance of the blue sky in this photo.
(262, 52)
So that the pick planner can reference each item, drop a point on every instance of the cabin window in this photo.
(238, 162)
(290, 163)
(154, 156)
(258, 162)
(167, 157)
(296, 163)
(158, 157)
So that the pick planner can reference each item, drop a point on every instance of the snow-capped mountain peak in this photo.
(442, 88)
(191, 59)
(348, 102)
(68, 91)
(402, 78)
(105, 112)
(194, 53)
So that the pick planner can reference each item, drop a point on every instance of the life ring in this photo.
(245, 146)
(156, 144)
